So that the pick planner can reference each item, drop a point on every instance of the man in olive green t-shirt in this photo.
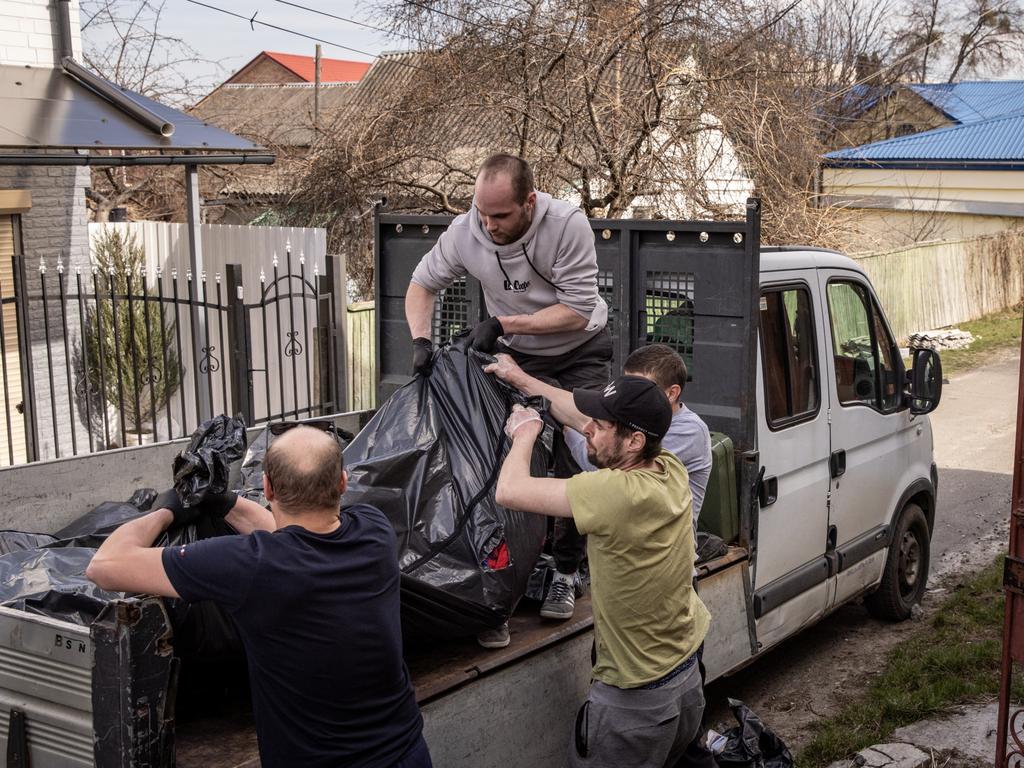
(646, 701)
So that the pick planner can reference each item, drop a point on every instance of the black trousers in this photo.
(589, 366)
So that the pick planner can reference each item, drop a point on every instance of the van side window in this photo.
(867, 367)
(788, 352)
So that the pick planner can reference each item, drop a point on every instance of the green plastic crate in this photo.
(720, 513)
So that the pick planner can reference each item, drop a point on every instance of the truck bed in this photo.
(230, 740)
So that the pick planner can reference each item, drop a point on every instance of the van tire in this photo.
(906, 568)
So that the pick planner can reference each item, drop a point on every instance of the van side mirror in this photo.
(924, 382)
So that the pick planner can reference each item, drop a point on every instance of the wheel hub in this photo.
(910, 562)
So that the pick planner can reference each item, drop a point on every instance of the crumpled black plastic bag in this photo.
(16, 541)
(52, 582)
(46, 575)
(204, 467)
(429, 459)
(751, 744)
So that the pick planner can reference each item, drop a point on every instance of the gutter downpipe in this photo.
(112, 94)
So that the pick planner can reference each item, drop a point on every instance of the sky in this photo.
(231, 42)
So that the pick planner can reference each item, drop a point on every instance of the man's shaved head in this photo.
(304, 466)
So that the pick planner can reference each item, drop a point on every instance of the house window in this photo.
(789, 356)
(868, 370)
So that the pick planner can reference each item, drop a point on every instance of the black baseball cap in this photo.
(631, 400)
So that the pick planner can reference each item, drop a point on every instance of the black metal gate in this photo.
(300, 375)
(123, 357)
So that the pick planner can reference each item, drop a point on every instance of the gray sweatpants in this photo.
(637, 727)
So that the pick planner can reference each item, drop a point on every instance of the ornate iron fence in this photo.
(92, 360)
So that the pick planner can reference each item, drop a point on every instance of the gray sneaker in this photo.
(561, 600)
(498, 637)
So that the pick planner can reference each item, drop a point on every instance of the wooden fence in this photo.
(941, 284)
(361, 358)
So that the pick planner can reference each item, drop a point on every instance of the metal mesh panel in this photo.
(606, 290)
(669, 312)
(451, 311)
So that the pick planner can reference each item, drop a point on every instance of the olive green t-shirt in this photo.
(647, 616)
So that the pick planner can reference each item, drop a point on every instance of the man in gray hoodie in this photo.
(535, 259)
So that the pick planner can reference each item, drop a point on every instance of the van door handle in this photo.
(837, 464)
(768, 491)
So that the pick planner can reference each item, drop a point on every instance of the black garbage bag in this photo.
(204, 466)
(92, 528)
(16, 541)
(751, 744)
(430, 459)
(52, 582)
(46, 574)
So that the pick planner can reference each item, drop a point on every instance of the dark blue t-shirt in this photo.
(319, 617)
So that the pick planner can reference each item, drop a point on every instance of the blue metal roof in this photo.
(973, 101)
(997, 142)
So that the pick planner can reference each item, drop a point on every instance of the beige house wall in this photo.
(900, 206)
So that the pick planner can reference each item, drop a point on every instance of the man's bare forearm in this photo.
(419, 309)
(137, 534)
(562, 406)
(248, 516)
(554, 319)
(518, 489)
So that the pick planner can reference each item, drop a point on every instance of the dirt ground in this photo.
(810, 676)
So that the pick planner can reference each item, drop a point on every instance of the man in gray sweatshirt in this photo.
(535, 259)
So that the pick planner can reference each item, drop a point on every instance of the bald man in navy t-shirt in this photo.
(315, 596)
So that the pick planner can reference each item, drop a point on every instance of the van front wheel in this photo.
(906, 568)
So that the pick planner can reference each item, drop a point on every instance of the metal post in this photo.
(24, 331)
(316, 89)
(204, 404)
(336, 352)
(1013, 617)
(241, 377)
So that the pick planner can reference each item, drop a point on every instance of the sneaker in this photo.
(561, 599)
(498, 637)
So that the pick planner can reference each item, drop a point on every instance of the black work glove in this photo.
(218, 505)
(485, 336)
(422, 355)
(169, 499)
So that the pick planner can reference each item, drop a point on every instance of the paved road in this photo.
(811, 675)
(974, 431)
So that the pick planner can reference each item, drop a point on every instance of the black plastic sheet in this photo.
(52, 582)
(751, 744)
(46, 575)
(430, 459)
(16, 541)
(204, 466)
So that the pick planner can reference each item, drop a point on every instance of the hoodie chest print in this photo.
(516, 286)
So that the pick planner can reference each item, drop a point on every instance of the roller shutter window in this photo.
(12, 423)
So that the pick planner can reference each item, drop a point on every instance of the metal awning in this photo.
(44, 110)
(68, 115)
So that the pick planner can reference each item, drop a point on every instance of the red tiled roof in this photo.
(331, 70)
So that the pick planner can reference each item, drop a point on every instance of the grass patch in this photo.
(992, 333)
(952, 659)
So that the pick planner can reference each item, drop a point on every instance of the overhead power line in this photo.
(253, 21)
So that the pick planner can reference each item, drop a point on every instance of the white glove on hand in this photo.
(520, 416)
